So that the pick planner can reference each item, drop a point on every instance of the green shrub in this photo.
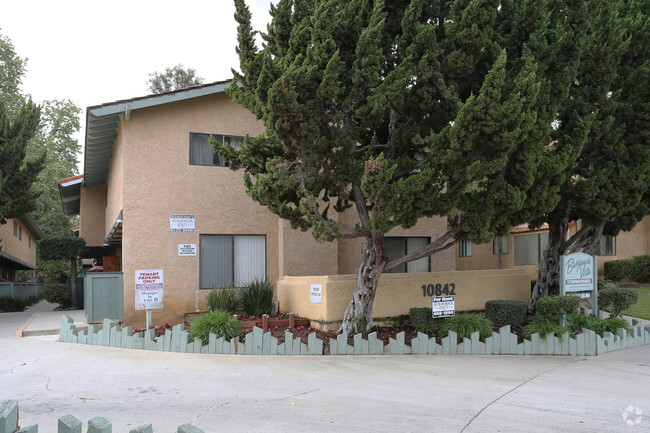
(543, 327)
(220, 323)
(257, 298)
(223, 299)
(552, 306)
(616, 270)
(506, 312)
(465, 324)
(617, 298)
(57, 293)
(613, 324)
(422, 320)
(10, 304)
(641, 268)
(577, 322)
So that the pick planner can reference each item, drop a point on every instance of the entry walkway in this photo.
(39, 319)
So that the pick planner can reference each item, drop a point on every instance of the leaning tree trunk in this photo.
(548, 278)
(358, 315)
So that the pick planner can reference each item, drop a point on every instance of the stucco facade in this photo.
(18, 239)
(627, 245)
(149, 178)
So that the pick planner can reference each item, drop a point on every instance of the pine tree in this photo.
(404, 110)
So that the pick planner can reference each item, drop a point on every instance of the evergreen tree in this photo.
(17, 172)
(404, 110)
(607, 186)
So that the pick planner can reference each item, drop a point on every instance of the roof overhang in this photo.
(70, 192)
(30, 223)
(103, 123)
(11, 262)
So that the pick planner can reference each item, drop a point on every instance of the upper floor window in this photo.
(20, 233)
(465, 248)
(15, 229)
(201, 152)
(398, 246)
(607, 246)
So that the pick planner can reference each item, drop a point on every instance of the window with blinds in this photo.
(607, 246)
(398, 246)
(529, 249)
(201, 152)
(465, 248)
(231, 260)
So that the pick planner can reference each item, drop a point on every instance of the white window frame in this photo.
(202, 140)
(410, 244)
(465, 248)
(607, 246)
(232, 270)
(504, 244)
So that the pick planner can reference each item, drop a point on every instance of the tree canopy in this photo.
(174, 78)
(17, 171)
(404, 110)
(607, 186)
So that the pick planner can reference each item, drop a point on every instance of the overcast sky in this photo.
(93, 52)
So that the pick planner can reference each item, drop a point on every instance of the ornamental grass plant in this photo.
(220, 323)
(224, 299)
(257, 298)
(465, 324)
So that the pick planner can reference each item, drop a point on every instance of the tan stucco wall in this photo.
(350, 251)
(115, 182)
(92, 215)
(12, 245)
(397, 293)
(159, 182)
(300, 254)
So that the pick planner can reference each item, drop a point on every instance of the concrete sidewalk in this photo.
(41, 319)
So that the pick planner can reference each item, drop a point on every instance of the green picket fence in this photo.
(259, 342)
(69, 424)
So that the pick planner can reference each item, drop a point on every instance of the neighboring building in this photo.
(524, 247)
(18, 239)
(154, 196)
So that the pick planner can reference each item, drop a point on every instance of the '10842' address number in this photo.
(438, 289)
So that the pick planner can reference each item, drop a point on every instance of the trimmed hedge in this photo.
(619, 298)
(9, 304)
(616, 270)
(57, 293)
(553, 306)
(641, 268)
(422, 320)
(506, 312)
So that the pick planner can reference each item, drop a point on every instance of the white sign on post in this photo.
(578, 273)
(187, 249)
(149, 285)
(316, 293)
(181, 223)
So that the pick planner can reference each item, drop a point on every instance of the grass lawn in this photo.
(642, 308)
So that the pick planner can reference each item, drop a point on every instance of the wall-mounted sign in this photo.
(187, 249)
(443, 306)
(316, 293)
(181, 223)
(149, 285)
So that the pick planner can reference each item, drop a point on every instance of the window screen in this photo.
(231, 260)
(398, 246)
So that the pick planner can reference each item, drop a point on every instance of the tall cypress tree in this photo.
(403, 110)
(607, 116)
(17, 173)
